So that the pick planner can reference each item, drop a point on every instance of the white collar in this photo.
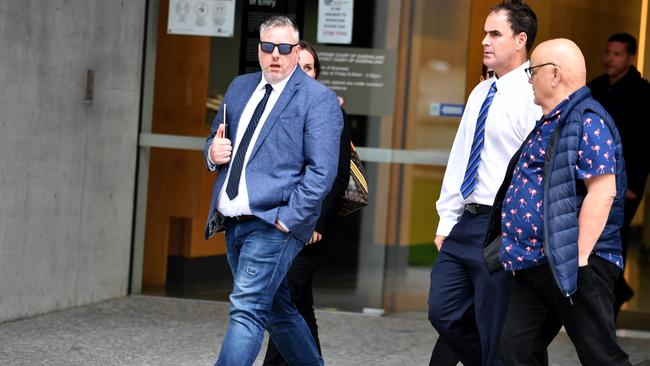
(513, 78)
(277, 87)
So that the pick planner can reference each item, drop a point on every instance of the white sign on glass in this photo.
(201, 17)
(335, 21)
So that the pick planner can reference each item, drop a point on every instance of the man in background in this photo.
(625, 95)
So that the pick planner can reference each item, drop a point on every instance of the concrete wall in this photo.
(67, 170)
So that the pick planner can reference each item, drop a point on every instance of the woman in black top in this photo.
(323, 241)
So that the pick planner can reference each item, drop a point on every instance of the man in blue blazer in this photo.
(277, 157)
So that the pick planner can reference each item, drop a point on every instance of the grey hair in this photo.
(280, 21)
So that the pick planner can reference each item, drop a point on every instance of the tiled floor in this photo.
(160, 331)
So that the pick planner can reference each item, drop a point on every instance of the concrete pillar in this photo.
(67, 168)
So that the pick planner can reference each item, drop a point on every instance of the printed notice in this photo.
(335, 21)
(201, 17)
(363, 77)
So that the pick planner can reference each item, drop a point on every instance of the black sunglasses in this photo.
(283, 48)
(529, 70)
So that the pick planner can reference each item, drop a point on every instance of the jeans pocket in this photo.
(284, 233)
(274, 234)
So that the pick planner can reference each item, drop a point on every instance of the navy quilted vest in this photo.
(563, 193)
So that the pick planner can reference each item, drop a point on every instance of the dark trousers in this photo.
(538, 310)
(442, 354)
(461, 282)
(628, 214)
(622, 291)
(300, 279)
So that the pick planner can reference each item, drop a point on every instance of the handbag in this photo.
(356, 193)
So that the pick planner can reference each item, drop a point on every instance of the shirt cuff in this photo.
(211, 165)
(445, 226)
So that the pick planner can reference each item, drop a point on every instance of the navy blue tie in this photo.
(232, 188)
(469, 181)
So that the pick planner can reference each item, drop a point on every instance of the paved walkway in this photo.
(141, 330)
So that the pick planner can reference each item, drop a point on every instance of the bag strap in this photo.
(357, 171)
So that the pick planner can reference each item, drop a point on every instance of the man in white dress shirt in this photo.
(467, 304)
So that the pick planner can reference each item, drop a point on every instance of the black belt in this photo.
(475, 208)
(242, 218)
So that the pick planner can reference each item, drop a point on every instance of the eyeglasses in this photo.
(283, 48)
(529, 70)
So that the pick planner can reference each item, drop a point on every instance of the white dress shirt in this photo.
(510, 119)
(240, 204)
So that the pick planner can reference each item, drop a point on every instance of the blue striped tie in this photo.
(232, 188)
(469, 181)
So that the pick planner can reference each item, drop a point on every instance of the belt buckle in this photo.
(471, 208)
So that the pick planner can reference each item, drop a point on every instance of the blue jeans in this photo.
(260, 256)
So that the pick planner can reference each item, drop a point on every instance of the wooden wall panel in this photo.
(478, 13)
(587, 22)
(179, 185)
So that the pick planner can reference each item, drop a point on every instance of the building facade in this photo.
(111, 196)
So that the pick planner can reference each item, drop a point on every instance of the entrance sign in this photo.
(201, 17)
(446, 109)
(335, 21)
(364, 77)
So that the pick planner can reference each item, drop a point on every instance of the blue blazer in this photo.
(295, 158)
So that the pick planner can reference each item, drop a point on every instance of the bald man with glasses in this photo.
(561, 218)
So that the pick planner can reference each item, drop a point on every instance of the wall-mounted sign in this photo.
(446, 109)
(254, 13)
(335, 21)
(201, 17)
(364, 77)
